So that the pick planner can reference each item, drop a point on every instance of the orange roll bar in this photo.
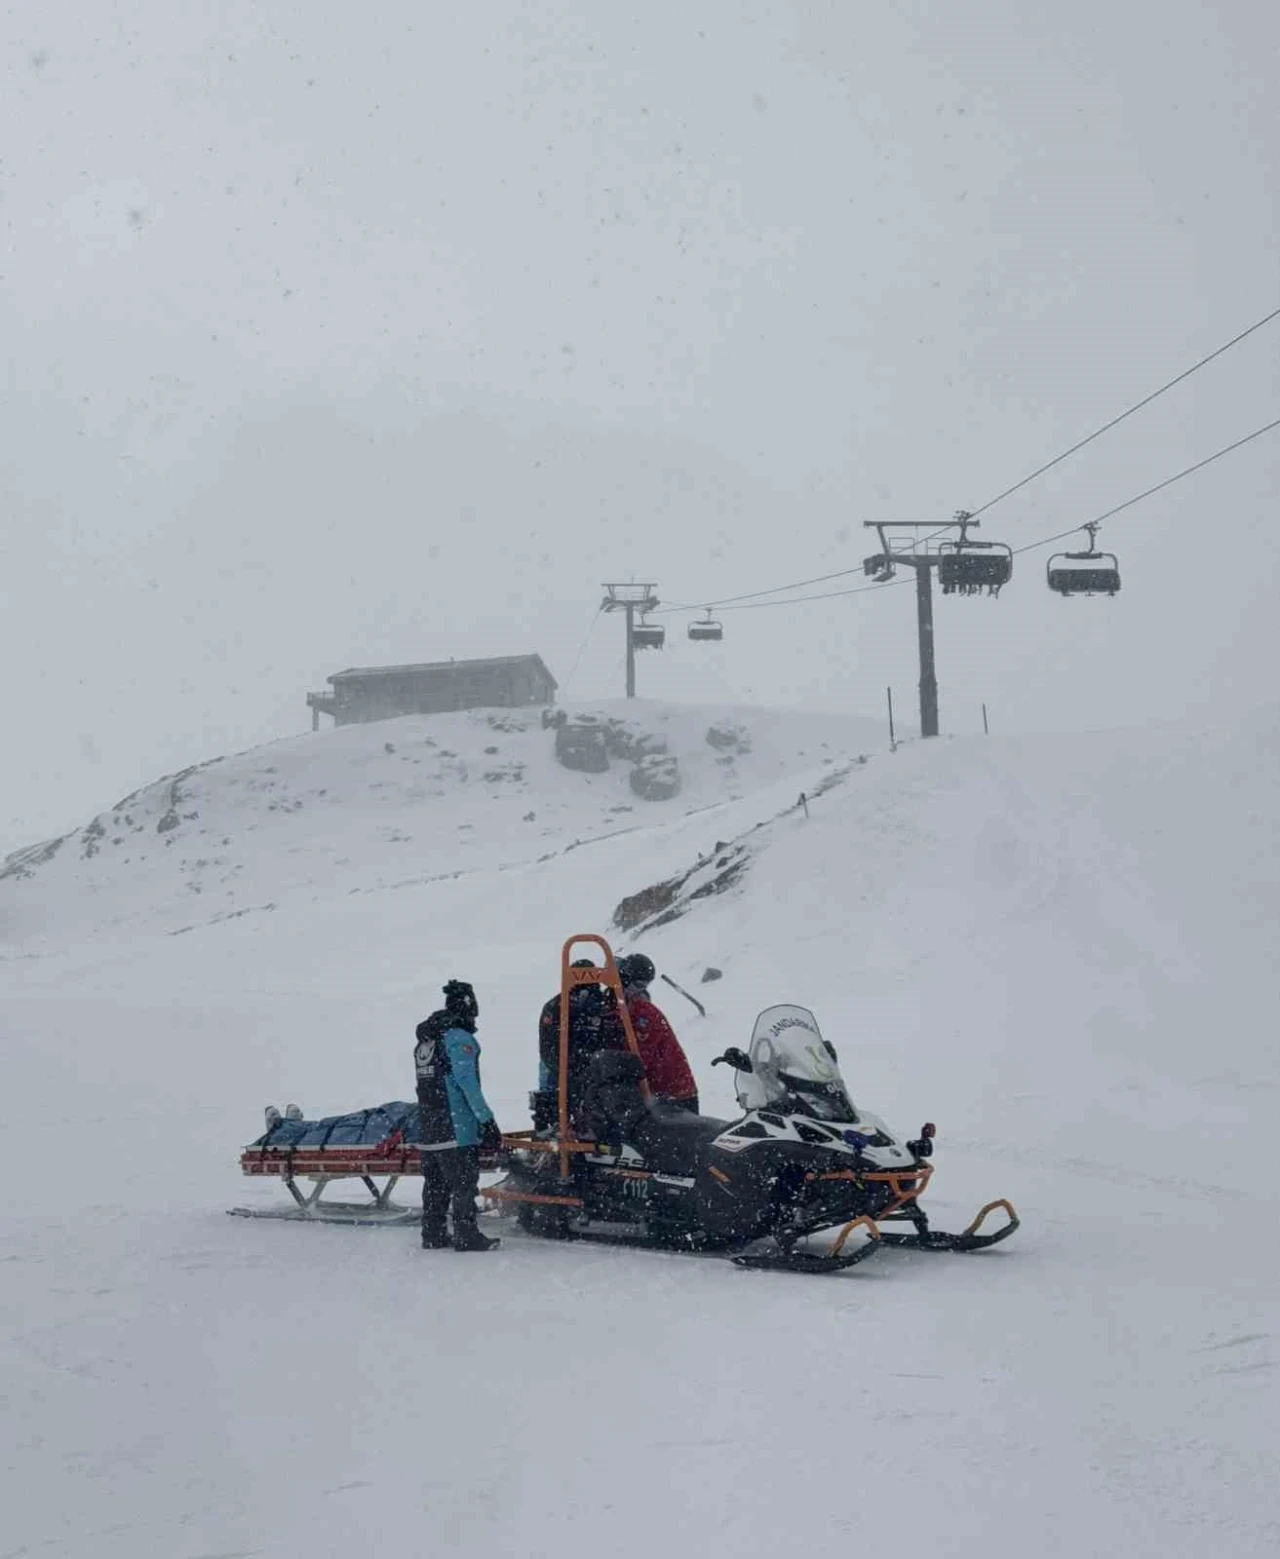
(570, 979)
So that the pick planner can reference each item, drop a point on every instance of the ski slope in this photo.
(1060, 949)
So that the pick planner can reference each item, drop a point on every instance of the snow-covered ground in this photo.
(1061, 949)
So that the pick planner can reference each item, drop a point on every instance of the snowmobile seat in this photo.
(670, 1138)
(673, 1141)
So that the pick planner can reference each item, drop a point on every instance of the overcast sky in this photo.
(342, 335)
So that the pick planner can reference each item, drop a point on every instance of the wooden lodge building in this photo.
(364, 693)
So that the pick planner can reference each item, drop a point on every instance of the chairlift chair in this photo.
(971, 567)
(648, 636)
(706, 630)
(1084, 573)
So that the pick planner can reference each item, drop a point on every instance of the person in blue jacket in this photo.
(454, 1119)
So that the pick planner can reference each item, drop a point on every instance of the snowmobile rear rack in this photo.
(531, 1142)
(497, 1193)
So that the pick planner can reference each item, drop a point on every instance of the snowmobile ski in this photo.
(789, 1259)
(935, 1239)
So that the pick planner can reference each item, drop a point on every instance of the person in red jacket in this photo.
(665, 1064)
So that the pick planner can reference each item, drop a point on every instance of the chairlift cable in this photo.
(1044, 541)
(800, 584)
(1208, 460)
(1137, 406)
(749, 595)
(1114, 422)
(582, 648)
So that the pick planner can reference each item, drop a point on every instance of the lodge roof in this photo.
(440, 668)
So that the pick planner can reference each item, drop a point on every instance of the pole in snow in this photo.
(893, 744)
(685, 994)
(986, 729)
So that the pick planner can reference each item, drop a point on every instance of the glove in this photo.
(490, 1136)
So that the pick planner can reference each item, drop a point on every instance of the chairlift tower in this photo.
(964, 564)
(632, 598)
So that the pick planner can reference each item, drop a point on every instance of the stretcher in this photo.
(374, 1146)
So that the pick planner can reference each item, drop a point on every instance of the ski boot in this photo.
(435, 1237)
(469, 1237)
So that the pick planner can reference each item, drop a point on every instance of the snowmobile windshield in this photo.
(793, 1069)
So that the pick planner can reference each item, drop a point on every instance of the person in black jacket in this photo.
(455, 1121)
(594, 1026)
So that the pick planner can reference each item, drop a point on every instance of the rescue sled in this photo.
(374, 1146)
(800, 1164)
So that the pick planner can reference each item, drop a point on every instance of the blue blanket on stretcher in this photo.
(360, 1129)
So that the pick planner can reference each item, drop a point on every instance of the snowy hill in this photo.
(1062, 950)
(402, 801)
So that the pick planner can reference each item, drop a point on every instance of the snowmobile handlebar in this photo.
(737, 1059)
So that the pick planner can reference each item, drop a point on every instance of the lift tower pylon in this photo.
(630, 599)
(988, 567)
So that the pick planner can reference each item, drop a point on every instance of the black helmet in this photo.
(460, 1000)
(637, 969)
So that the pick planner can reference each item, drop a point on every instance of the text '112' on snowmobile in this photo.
(616, 1165)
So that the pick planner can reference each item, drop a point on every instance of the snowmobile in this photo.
(800, 1161)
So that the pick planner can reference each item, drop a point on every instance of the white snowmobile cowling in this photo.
(790, 1058)
(795, 1074)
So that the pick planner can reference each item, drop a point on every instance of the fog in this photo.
(338, 336)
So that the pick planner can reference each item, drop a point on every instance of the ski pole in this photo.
(685, 994)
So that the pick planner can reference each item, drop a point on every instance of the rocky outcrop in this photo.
(580, 745)
(666, 901)
(656, 777)
(587, 743)
(734, 740)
